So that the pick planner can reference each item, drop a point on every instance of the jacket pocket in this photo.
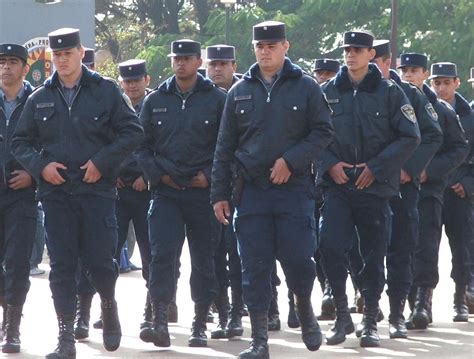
(295, 117)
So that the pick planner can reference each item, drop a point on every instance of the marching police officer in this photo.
(134, 196)
(181, 119)
(221, 65)
(18, 207)
(376, 132)
(275, 123)
(405, 205)
(433, 179)
(456, 214)
(325, 69)
(85, 129)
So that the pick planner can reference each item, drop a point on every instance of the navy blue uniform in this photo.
(18, 213)
(374, 124)
(80, 217)
(289, 120)
(180, 137)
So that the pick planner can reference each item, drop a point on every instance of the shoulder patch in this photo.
(159, 110)
(45, 104)
(409, 112)
(242, 97)
(431, 111)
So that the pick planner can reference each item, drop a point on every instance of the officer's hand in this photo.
(458, 188)
(139, 184)
(200, 181)
(404, 177)
(280, 172)
(423, 176)
(222, 212)
(337, 172)
(21, 179)
(92, 172)
(50, 173)
(366, 178)
(167, 180)
(120, 183)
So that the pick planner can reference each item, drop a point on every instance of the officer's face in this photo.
(445, 87)
(68, 62)
(12, 70)
(414, 75)
(135, 89)
(271, 55)
(358, 58)
(322, 76)
(185, 67)
(221, 72)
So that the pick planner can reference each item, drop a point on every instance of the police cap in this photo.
(14, 50)
(132, 69)
(269, 31)
(327, 65)
(443, 69)
(88, 58)
(358, 39)
(381, 47)
(185, 47)
(220, 53)
(413, 59)
(63, 39)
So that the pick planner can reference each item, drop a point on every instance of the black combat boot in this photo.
(343, 325)
(147, 314)
(198, 336)
(222, 305)
(83, 315)
(379, 317)
(274, 323)
(369, 336)
(310, 331)
(396, 321)
(293, 321)
(112, 332)
(12, 329)
(328, 309)
(66, 348)
(470, 297)
(421, 318)
(157, 334)
(234, 327)
(411, 304)
(258, 348)
(461, 313)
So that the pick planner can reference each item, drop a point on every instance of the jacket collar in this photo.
(462, 106)
(88, 77)
(395, 76)
(430, 94)
(289, 70)
(27, 91)
(368, 84)
(202, 84)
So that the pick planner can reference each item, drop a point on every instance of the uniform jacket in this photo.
(465, 173)
(99, 126)
(452, 152)
(374, 124)
(290, 120)
(7, 127)
(180, 134)
(430, 130)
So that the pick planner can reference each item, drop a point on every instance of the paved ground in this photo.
(444, 339)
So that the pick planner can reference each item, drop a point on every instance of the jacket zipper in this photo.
(269, 92)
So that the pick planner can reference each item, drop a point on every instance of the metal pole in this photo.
(394, 33)
(227, 23)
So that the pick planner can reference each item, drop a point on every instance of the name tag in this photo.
(160, 110)
(332, 100)
(242, 97)
(45, 105)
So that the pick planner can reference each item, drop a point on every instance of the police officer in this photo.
(89, 58)
(456, 214)
(134, 196)
(405, 204)
(221, 67)
(181, 119)
(274, 125)
(18, 208)
(325, 69)
(433, 179)
(376, 132)
(84, 129)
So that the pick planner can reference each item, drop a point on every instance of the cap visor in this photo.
(268, 40)
(355, 45)
(186, 54)
(136, 77)
(61, 48)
